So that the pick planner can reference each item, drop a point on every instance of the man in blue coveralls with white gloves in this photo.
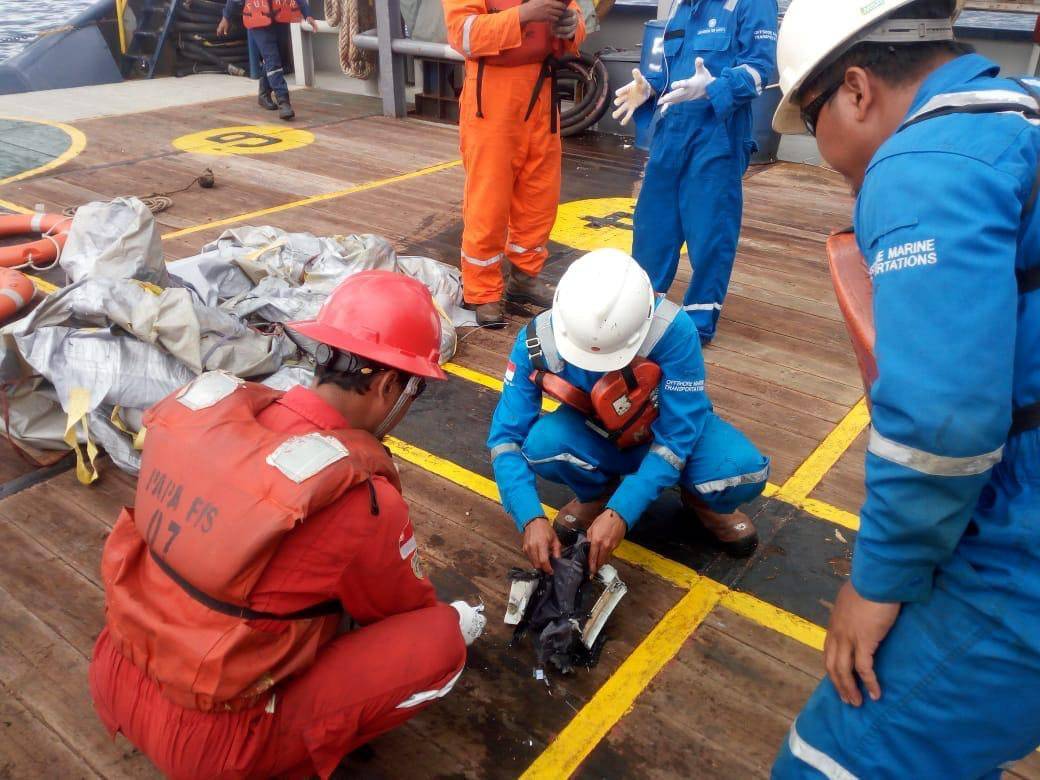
(933, 649)
(605, 318)
(713, 59)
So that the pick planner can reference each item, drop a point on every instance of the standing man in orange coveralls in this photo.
(262, 521)
(510, 142)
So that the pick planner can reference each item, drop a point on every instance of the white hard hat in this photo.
(602, 310)
(815, 33)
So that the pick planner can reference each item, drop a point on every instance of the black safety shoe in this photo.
(285, 110)
(265, 101)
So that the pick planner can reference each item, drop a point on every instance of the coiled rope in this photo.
(352, 17)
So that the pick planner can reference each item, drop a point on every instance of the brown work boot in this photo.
(524, 289)
(578, 515)
(490, 315)
(735, 533)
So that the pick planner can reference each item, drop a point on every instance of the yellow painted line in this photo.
(14, 207)
(77, 143)
(823, 458)
(781, 621)
(310, 201)
(42, 285)
(610, 703)
(482, 379)
(825, 511)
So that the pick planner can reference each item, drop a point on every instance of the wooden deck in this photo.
(708, 659)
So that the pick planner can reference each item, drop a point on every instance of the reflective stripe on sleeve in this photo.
(565, 457)
(755, 75)
(817, 759)
(927, 463)
(730, 5)
(716, 485)
(668, 456)
(467, 28)
(703, 307)
(502, 449)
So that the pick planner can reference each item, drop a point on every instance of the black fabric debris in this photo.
(560, 606)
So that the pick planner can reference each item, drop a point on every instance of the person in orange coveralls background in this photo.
(510, 143)
(262, 520)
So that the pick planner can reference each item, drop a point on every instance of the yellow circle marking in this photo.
(244, 139)
(596, 223)
(77, 143)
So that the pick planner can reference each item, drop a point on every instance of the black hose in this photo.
(592, 74)
(198, 27)
(203, 6)
(195, 52)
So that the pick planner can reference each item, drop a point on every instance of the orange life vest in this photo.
(262, 13)
(216, 495)
(537, 40)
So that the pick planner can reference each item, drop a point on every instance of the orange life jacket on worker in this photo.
(216, 495)
(621, 406)
(263, 13)
(536, 45)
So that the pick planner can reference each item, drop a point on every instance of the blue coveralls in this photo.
(951, 522)
(272, 75)
(701, 148)
(691, 445)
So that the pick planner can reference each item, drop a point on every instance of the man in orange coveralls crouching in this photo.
(510, 142)
(262, 520)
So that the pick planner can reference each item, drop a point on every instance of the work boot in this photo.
(524, 289)
(265, 101)
(491, 315)
(578, 515)
(285, 109)
(735, 533)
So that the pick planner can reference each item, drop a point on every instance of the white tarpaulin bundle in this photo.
(82, 368)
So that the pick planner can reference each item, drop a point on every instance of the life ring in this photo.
(16, 290)
(53, 229)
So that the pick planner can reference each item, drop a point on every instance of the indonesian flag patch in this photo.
(407, 542)
(510, 371)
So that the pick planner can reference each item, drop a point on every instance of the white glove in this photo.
(631, 96)
(566, 26)
(693, 88)
(471, 621)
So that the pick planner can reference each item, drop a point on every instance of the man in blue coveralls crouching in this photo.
(617, 356)
(933, 649)
(716, 57)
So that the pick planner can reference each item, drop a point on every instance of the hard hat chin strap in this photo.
(909, 31)
(411, 389)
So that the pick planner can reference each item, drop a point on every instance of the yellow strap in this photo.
(117, 420)
(253, 256)
(154, 289)
(79, 407)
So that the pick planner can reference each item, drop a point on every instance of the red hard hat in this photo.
(382, 316)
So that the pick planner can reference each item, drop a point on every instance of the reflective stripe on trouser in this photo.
(266, 41)
(512, 184)
(960, 695)
(696, 197)
(561, 448)
(362, 684)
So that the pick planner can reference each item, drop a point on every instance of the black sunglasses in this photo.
(811, 113)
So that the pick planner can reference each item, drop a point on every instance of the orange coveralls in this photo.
(512, 166)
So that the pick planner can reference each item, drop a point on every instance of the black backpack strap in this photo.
(534, 348)
(322, 609)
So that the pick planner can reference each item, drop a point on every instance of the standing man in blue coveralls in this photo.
(263, 19)
(933, 648)
(604, 316)
(716, 57)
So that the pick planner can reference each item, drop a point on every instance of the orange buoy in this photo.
(53, 229)
(16, 290)
(852, 285)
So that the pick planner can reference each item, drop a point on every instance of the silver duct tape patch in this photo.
(301, 457)
(613, 591)
(520, 593)
(209, 389)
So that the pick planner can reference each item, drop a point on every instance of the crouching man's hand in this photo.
(605, 534)
(541, 544)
